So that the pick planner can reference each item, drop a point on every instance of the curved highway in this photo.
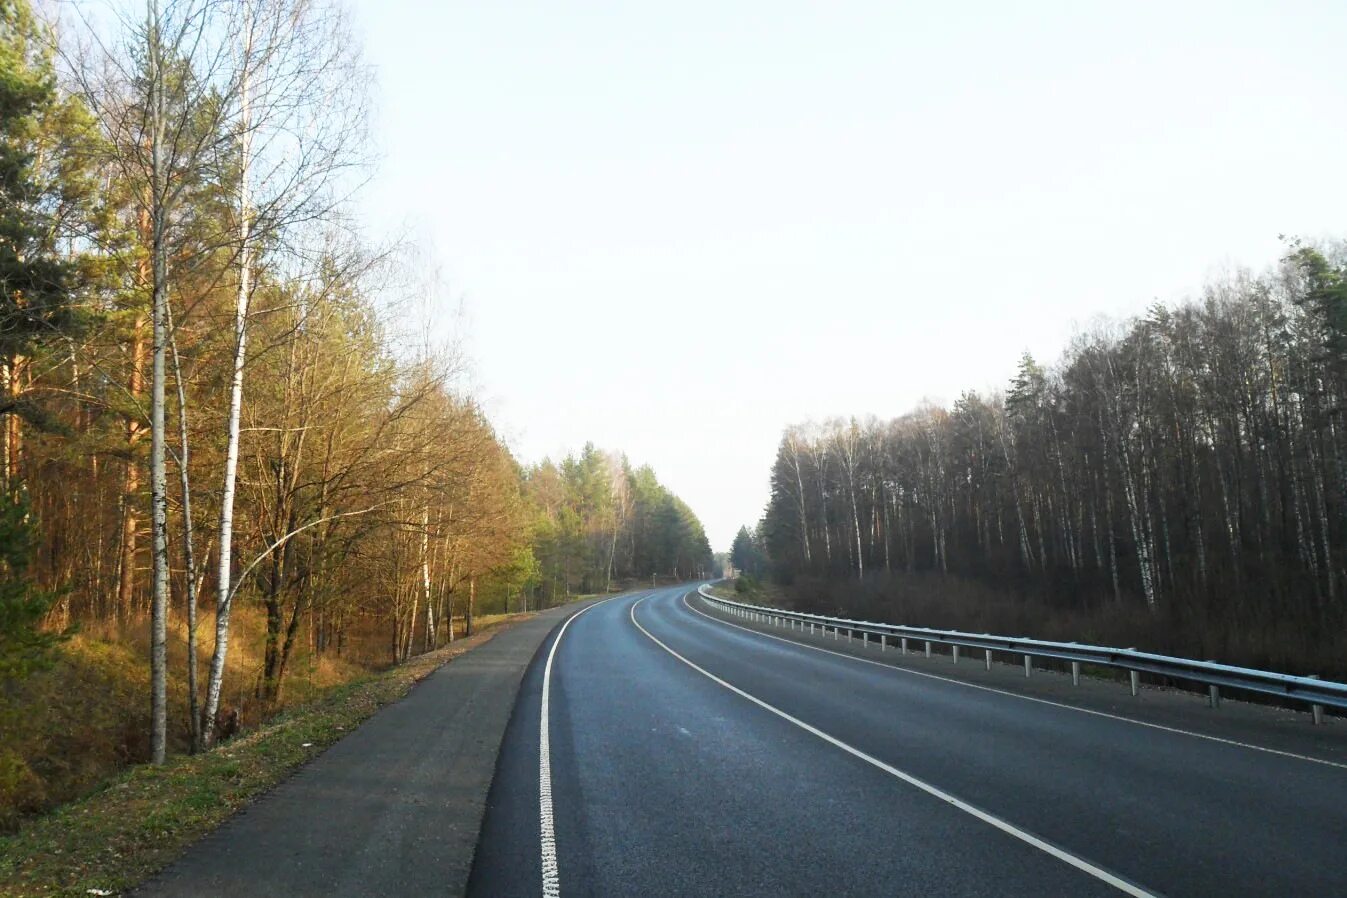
(685, 755)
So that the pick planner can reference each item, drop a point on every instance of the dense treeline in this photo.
(209, 395)
(1192, 463)
(601, 522)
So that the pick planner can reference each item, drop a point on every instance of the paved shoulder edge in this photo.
(204, 869)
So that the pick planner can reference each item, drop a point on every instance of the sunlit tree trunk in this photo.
(158, 470)
(425, 579)
(135, 429)
(224, 594)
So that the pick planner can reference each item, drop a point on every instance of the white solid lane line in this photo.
(1060, 854)
(546, 825)
(1028, 698)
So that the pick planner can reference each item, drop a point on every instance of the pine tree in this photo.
(24, 645)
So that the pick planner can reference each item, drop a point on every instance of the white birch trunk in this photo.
(158, 470)
(425, 578)
(799, 494)
(223, 589)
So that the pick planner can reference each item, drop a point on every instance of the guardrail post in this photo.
(883, 641)
(1316, 711)
(1028, 665)
(1075, 673)
(904, 645)
(956, 654)
(848, 634)
(1135, 677)
(928, 648)
(865, 640)
(1214, 696)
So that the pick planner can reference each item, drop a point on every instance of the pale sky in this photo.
(679, 227)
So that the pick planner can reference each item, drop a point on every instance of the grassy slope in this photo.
(65, 730)
(146, 816)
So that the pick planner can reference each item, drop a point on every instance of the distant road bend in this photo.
(658, 749)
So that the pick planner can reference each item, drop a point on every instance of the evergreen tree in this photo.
(746, 553)
(35, 284)
(24, 646)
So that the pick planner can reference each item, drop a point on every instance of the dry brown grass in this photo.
(87, 716)
(144, 817)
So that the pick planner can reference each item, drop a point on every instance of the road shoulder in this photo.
(144, 820)
(1260, 726)
(394, 808)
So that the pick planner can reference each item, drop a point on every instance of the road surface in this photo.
(393, 809)
(687, 755)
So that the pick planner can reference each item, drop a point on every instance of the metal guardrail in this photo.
(1317, 693)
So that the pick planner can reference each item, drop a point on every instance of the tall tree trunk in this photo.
(224, 595)
(135, 430)
(799, 494)
(158, 471)
(472, 601)
(188, 549)
(856, 523)
(9, 386)
(425, 579)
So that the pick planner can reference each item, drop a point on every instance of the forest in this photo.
(1176, 482)
(236, 465)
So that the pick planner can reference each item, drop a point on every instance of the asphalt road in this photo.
(752, 765)
(393, 809)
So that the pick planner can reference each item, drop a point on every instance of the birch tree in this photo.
(299, 135)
